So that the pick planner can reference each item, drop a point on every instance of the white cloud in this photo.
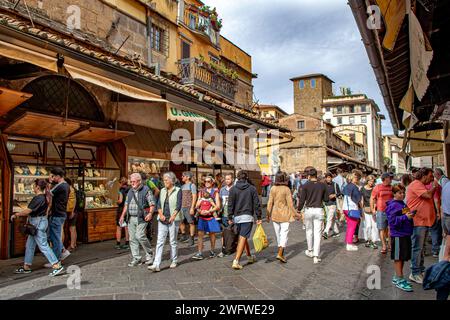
(287, 38)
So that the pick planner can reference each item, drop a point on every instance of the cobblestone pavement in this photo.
(341, 275)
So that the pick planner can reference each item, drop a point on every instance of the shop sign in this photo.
(179, 114)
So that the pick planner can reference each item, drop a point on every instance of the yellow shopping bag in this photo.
(260, 241)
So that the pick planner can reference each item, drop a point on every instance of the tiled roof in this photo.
(45, 33)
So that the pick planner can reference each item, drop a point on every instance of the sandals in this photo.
(22, 270)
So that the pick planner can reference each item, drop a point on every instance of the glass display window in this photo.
(147, 166)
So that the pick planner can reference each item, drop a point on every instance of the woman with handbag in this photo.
(352, 207)
(36, 229)
(280, 209)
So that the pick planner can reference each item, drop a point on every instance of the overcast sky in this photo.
(288, 38)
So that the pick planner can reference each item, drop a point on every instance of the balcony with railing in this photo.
(201, 75)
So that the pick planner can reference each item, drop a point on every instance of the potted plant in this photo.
(205, 11)
(201, 60)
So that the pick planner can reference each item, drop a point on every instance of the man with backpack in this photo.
(139, 207)
(229, 238)
(188, 201)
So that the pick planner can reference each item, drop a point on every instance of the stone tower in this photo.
(309, 92)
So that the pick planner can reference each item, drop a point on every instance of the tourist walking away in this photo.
(169, 219)
(401, 228)
(265, 184)
(352, 208)
(71, 220)
(381, 194)
(370, 224)
(420, 199)
(189, 199)
(243, 204)
(334, 193)
(280, 209)
(207, 223)
(37, 235)
(138, 211)
(123, 192)
(341, 182)
(60, 196)
(312, 197)
(224, 194)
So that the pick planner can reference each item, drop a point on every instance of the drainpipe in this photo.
(149, 32)
(359, 12)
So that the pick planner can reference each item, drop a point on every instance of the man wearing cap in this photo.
(189, 198)
(381, 194)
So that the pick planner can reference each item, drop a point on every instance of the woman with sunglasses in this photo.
(206, 224)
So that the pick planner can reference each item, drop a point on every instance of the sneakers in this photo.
(149, 260)
(251, 259)
(154, 268)
(373, 245)
(212, 254)
(220, 255)
(352, 247)
(325, 235)
(198, 256)
(337, 235)
(57, 271)
(404, 285)
(367, 244)
(134, 263)
(395, 280)
(173, 265)
(184, 238)
(236, 265)
(125, 247)
(118, 247)
(64, 255)
(309, 253)
(317, 260)
(417, 278)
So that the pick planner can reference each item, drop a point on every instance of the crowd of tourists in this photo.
(388, 215)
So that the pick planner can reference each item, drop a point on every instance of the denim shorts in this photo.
(382, 221)
(245, 229)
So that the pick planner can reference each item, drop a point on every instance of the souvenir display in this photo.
(147, 166)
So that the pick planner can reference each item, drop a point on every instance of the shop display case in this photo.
(99, 185)
(147, 166)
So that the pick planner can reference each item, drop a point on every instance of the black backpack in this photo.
(80, 201)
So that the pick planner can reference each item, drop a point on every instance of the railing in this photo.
(200, 74)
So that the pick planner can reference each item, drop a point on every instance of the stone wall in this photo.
(308, 98)
(297, 159)
(244, 95)
(96, 21)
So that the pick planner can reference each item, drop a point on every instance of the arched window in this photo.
(51, 95)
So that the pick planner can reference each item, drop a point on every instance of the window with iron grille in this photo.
(59, 95)
(159, 39)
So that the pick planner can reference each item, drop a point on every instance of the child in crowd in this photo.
(401, 228)
(207, 223)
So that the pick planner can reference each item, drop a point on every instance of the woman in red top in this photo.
(265, 183)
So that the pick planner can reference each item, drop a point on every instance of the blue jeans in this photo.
(55, 228)
(436, 236)
(418, 246)
(40, 239)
